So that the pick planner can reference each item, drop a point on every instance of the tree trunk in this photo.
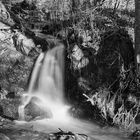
(137, 35)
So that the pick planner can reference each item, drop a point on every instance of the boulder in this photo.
(34, 111)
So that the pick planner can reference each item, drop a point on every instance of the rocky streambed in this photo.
(37, 128)
(50, 130)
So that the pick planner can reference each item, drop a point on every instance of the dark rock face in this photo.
(15, 67)
(116, 51)
(104, 68)
(15, 73)
(11, 95)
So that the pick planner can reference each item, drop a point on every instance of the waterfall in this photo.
(47, 84)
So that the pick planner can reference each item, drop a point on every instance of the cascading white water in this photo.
(47, 84)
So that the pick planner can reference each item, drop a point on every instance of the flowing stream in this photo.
(46, 84)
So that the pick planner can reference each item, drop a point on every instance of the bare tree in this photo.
(137, 35)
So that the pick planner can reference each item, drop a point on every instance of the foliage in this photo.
(121, 115)
(126, 119)
(103, 101)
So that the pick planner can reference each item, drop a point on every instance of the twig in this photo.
(68, 133)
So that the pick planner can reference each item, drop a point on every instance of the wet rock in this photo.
(76, 112)
(34, 111)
